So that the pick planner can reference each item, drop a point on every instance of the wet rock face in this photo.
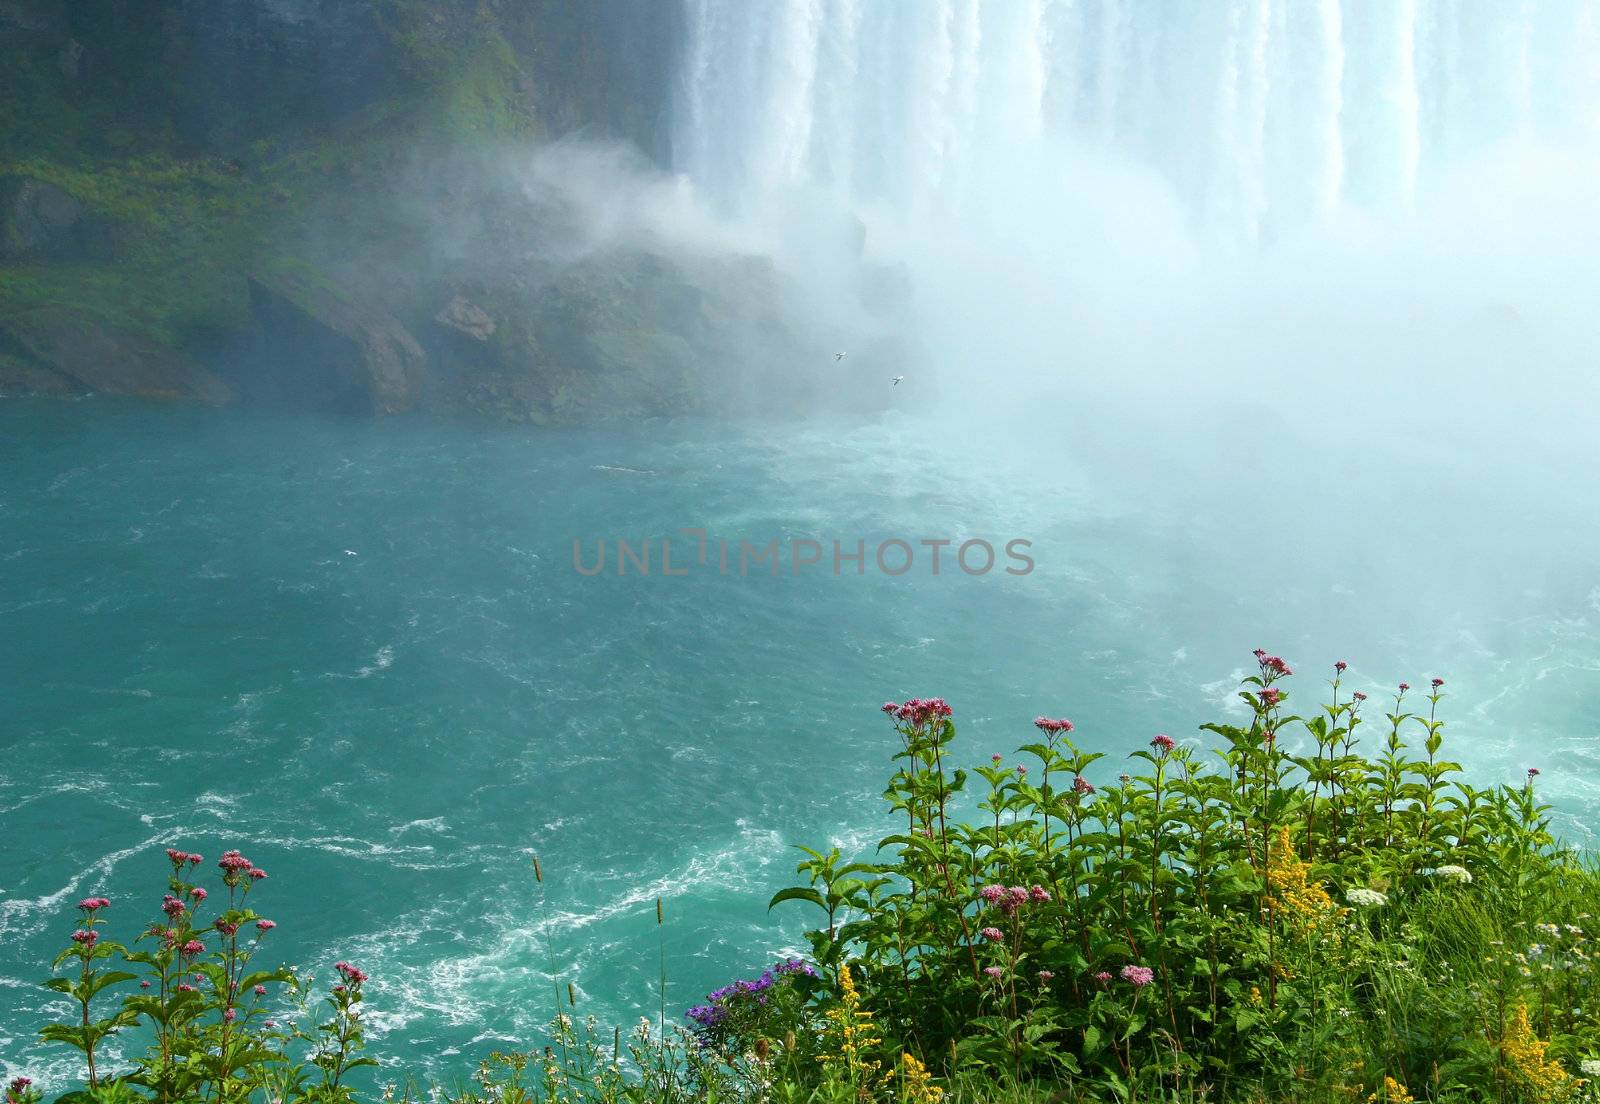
(40, 222)
(466, 318)
(61, 352)
(354, 350)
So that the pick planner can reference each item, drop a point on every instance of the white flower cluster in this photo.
(1365, 898)
(1454, 874)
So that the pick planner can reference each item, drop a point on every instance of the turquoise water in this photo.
(189, 657)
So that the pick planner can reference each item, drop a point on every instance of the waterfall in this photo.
(1259, 115)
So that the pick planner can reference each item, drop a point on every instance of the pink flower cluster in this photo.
(234, 866)
(1138, 976)
(266, 925)
(86, 937)
(1163, 743)
(1081, 785)
(173, 907)
(93, 904)
(1271, 696)
(1272, 666)
(1009, 899)
(182, 858)
(993, 935)
(918, 711)
(1046, 724)
(351, 975)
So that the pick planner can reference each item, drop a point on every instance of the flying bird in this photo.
(838, 357)
(896, 381)
(347, 552)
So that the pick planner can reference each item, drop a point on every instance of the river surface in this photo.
(360, 652)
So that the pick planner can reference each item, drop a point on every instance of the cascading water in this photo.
(1259, 114)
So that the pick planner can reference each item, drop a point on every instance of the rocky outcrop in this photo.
(467, 318)
(58, 352)
(41, 222)
(358, 346)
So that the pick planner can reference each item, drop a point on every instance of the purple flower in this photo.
(993, 935)
(995, 972)
(992, 893)
(1047, 724)
(1102, 977)
(1039, 893)
(192, 948)
(1138, 976)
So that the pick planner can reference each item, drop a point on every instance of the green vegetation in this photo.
(1319, 910)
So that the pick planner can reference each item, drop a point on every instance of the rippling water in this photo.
(190, 657)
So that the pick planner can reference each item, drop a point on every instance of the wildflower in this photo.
(916, 1082)
(1271, 696)
(192, 948)
(144, 985)
(1359, 696)
(1304, 900)
(1015, 898)
(996, 759)
(1138, 976)
(889, 708)
(1404, 686)
(1124, 778)
(350, 974)
(255, 873)
(1163, 743)
(1365, 898)
(1046, 724)
(227, 929)
(229, 1015)
(992, 893)
(1103, 976)
(796, 966)
(260, 990)
(1525, 1053)
(195, 860)
(1438, 682)
(850, 1030)
(1081, 785)
(172, 906)
(1038, 893)
(1393, 1092)
(86, 937)
(1454, 873)
(1022, 772)
(994, 935)
(93, 904)
(177, 857)
(1590, 1067)
(995, 972)
(198, 894)
(1341, 666)
(1046, 975)
(185, 987)
(1533, 772)
(266, 925)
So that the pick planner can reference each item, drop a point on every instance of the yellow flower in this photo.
(1305, 902)
(850, 1031)
(916, 1083)
(1543, 1079)
(1393, 1092)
